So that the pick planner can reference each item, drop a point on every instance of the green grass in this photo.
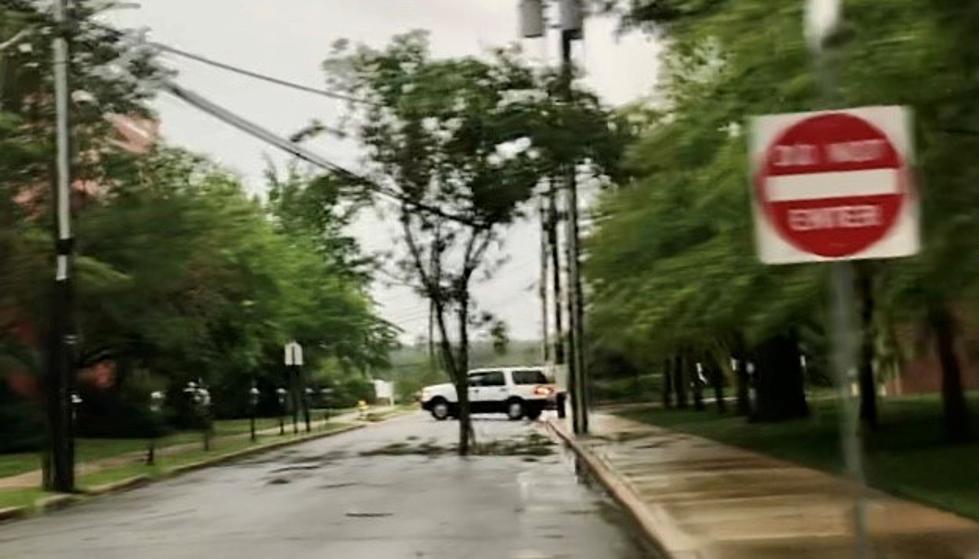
(907, 456)
(13, 464)
(164, 465)
(20, 497)
(97, 449)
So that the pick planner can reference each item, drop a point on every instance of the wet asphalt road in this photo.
(327, 499)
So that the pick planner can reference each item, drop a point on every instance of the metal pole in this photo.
(845, 369)
(59, 363)
(294, 382)
(576, 331)
(844, 362)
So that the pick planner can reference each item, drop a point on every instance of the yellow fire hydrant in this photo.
(363, 408)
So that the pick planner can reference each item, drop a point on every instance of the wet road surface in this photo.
(391, 490)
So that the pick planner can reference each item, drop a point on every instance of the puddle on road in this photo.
(339, 485)
(530, 445)
(368, 514)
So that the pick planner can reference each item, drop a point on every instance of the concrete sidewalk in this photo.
(702, 499)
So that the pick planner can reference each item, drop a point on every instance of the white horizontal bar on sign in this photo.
(838, 184)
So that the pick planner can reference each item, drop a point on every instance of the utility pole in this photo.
(571, 24)
(553, 245)
(59, 366)
(545, 338)
(571, 30)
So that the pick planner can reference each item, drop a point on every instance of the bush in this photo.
(22, 426)
(117, 413)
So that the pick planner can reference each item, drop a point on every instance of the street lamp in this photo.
(76, 401)
(325, 395)
(253, 394)
(531, 19)
(281, 394)
(200, 399)
(307, 397)
(571, 16)
(157, 398)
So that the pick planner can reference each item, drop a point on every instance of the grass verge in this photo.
(165, 465)
(98, 449)
(906, 456)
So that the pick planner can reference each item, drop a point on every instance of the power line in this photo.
(292, 148)
(296, 150)
(241, 71)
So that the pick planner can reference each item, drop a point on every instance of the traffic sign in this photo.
(293, 354)
(834, 185)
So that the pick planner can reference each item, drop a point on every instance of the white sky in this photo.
(290, 38)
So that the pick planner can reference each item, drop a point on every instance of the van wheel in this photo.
(515, 409)
(440, 410)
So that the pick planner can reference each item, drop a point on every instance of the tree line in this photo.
(672, 268)
(183, 276)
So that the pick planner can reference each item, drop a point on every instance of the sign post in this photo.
(836, 186)
(293, 362)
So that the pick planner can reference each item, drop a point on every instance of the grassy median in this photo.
(906, 456)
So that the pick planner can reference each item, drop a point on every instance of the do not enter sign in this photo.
(834, 186)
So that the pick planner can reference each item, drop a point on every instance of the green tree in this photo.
(753, 60)
(464, 142)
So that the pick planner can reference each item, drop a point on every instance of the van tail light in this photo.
(543, 391)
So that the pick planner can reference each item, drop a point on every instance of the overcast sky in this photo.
(290, 38)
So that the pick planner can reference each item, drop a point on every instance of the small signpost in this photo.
(293, 361)
(293, 355)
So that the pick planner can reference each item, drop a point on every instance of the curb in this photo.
(58, 502)
(12, 513)
(659, 529)
(223, 459)
(116, 486)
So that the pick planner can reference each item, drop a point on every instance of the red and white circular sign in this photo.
(832, 185)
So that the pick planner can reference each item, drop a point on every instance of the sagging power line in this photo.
(239, 70)
(302, 153)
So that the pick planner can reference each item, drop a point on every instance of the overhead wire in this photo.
(239, 70)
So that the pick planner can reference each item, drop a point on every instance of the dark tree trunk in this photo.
(716, 377)
(465, 417)
(679, 383)
(667, 387)
(779, 385)
(868, 384)
(696, 384)
(956, 411)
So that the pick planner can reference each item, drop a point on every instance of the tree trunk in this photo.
(459, 378)
(667, 387)
(679, 383)
(866, 380)
(697, 384)
(956, 411)
(465, 418)
(779, 385)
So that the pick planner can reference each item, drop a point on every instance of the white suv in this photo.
(516, 391)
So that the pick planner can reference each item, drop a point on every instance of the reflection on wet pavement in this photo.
(390, 490)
